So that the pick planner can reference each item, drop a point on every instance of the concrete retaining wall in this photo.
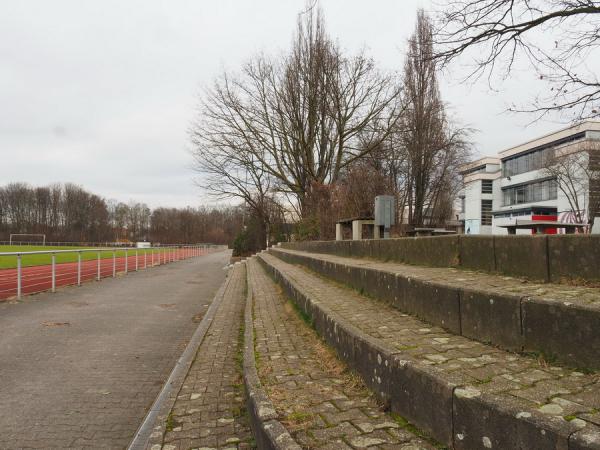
(562, 331)
(462, 418)
(542, 257)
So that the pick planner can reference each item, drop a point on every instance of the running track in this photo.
(39, 278)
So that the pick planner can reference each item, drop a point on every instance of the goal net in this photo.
(27, 239)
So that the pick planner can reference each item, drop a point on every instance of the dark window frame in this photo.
(486, 212)
(487, 186)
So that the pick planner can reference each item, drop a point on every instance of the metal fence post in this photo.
(126, 260)
(136, 260)
(152, 257)
(79, 268)
(98, 266)
(53, 272)
(145, 259)
(114, 264)
(19, 276)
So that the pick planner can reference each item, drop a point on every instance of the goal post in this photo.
(39, 237)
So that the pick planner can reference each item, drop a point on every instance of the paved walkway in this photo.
(81, 367)
(524, 382)
(210, 408)
(324, 405)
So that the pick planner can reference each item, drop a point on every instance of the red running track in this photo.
(39, 278)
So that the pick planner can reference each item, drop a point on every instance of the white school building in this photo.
(515, 185)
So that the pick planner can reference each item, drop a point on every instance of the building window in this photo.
(486, 186)
(527, 193)
(486, 212)
(526, 163)
(480, 169)
(536, 159)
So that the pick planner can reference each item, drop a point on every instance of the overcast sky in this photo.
(100, 93)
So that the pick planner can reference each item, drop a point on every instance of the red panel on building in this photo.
(545, 218)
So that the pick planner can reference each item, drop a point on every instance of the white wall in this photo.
(473, 197)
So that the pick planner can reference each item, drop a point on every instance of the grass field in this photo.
(10, 262)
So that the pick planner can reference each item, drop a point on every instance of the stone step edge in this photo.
(509, 321)
(447, 411)
(268, 431)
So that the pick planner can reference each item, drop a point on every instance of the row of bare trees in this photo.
(62, 212)
(295, 134)
(68, 213)
(181, 225)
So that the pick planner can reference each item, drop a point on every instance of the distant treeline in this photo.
(69, 213)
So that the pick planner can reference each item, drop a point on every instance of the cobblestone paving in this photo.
(322, 403)
(210, 408)
(80, 368)
(527, 382)
(461, 278)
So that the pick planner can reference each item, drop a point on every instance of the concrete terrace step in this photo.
(562, 322)
(320, 403)
(555, 258)
(466, 394)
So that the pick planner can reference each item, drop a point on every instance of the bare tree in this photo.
(429, 149)
(558, 38)
(290, 123)
(577, 175)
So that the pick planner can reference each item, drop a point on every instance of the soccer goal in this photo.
(27, 238)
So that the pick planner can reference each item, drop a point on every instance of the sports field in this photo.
(10, 262)
(37, 274)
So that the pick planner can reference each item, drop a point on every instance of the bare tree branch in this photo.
(556, 37)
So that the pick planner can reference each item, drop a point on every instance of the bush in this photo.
(308, 229)
(250, 240)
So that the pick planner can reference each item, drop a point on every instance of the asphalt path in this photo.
(81, 367)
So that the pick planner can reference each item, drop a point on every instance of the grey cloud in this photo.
(101, 93)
